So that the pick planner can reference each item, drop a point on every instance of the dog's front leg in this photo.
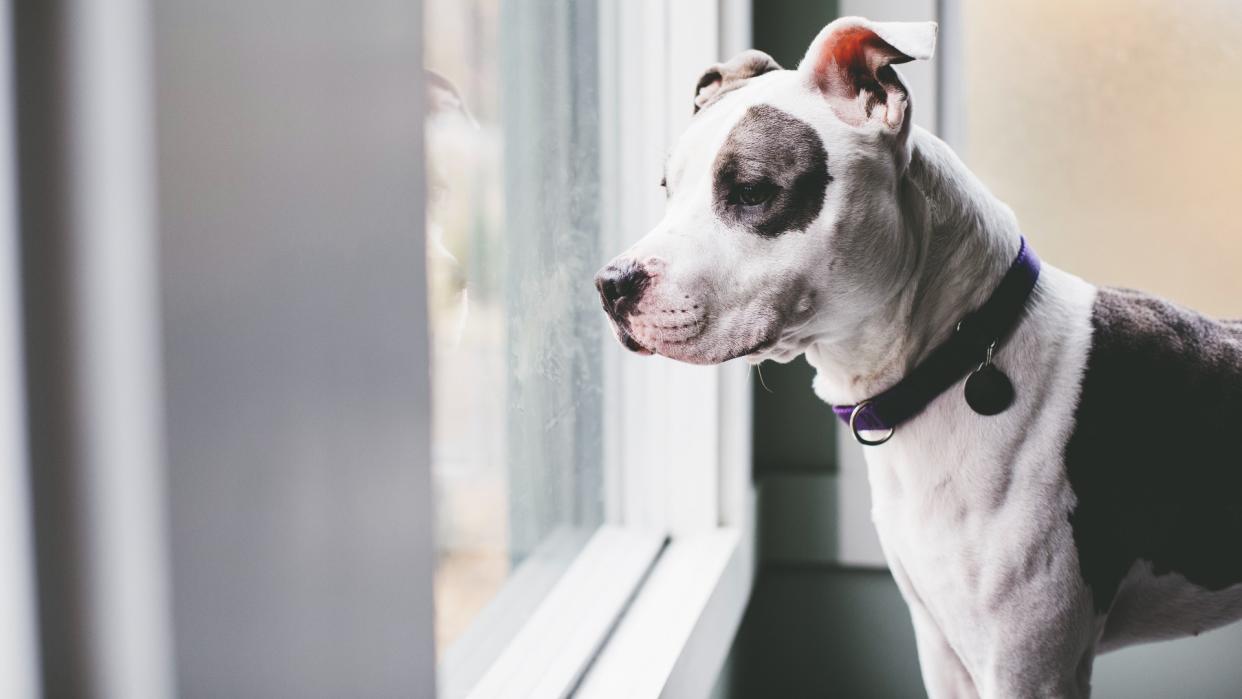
(944, 675)
(1037, 668)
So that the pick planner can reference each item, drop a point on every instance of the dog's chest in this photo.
(979, 552)
(964, 535)
(972, 510)
(934, 536)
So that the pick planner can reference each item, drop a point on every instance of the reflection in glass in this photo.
(513, 142)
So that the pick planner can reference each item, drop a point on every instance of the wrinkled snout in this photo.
(621, 285)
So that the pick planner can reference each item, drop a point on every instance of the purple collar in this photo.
(951, 361)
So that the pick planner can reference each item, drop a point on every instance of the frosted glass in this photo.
(1111, 129)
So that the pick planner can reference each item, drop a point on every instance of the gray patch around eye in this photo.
(769, 146)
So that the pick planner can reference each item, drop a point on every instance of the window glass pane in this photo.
(1110, 128)
(513, 153)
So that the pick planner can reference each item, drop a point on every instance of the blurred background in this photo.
(304, 389)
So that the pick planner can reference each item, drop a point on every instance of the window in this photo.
(513, 143)
(1111, 152)
(580, 490)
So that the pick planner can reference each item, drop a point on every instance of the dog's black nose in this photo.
(620, 286)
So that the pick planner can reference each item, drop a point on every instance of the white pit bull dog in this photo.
(1054, 466)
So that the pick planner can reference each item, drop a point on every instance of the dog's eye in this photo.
(755, 194)
(664, 182)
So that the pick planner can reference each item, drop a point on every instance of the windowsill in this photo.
(555, 644)
(673, 638)
(592, 635)
(468, 658)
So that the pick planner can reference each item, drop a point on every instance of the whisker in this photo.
(759, 371)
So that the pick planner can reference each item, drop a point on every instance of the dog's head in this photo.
(783, 203)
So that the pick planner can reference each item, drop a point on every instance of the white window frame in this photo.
(650, 605)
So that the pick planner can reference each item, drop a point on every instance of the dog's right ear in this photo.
(724, 77)
(851, 63)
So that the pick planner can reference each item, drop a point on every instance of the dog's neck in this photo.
(959, 240)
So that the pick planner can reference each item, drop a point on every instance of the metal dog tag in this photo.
(988, 390)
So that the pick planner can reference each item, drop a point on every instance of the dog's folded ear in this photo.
(851, 62)
(443, 97)
(723, 77)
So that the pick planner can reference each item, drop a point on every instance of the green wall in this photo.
(784, 28)
(794, 431)
(816, 631)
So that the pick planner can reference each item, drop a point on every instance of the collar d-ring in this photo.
(858, 436)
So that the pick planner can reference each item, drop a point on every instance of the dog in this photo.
(1052, 463)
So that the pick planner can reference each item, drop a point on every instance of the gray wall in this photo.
(290, 172)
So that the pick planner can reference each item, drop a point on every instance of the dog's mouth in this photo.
(628, 341)
(684, 337)
(671, 331)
